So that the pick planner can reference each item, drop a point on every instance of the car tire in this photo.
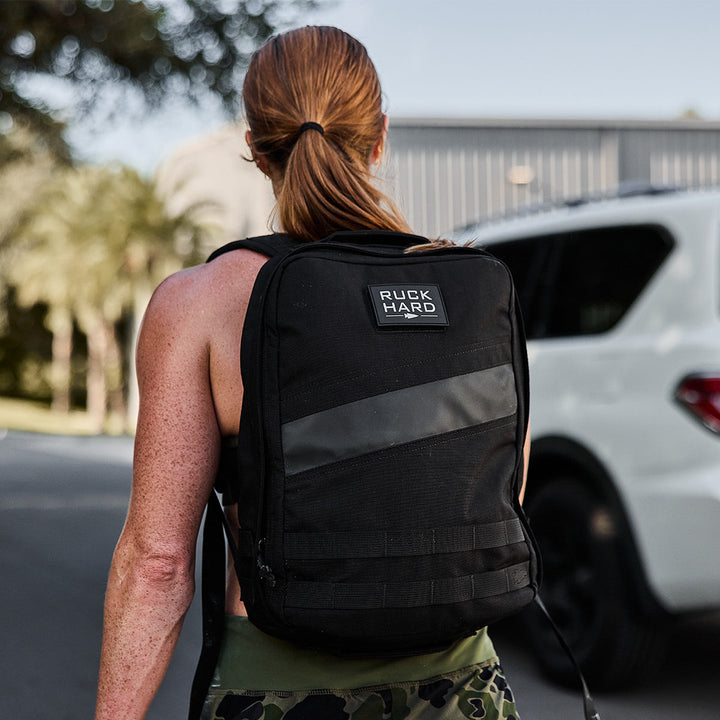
(588, 592)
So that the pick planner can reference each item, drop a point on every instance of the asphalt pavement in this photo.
(62, 506)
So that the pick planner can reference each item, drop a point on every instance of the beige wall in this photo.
(230, 192)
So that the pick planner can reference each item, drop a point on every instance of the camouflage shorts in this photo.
(477, 692)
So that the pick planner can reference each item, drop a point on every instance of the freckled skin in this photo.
(188, 365)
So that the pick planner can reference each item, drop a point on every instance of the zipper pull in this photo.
(264, 571)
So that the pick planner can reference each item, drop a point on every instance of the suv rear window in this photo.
(582, 282)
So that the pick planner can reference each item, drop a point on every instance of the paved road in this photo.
(62, 505)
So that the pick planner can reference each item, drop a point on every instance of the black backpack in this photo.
(379, 458)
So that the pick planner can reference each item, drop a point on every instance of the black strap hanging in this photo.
(590, 711)
(213, 603)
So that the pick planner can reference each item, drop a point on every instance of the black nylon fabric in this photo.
(311, 344)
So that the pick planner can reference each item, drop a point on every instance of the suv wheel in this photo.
(585, 589)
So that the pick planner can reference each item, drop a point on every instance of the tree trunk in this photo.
(59, 322)
(96, 386)
(114, 376)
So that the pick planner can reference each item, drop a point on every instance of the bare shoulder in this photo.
(199, 298)
(191, 335)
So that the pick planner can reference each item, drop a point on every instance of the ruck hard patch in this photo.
(408, 305)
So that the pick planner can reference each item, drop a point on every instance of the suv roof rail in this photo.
(633, 188)
(626, 189)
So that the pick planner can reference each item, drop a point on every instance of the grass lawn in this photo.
(36, 417)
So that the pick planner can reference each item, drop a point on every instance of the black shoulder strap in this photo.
(376, 237)
(269, 245)
(213, 603)
(280, 243)
(216, 528)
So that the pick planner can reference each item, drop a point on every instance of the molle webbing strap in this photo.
(374, 596)
(383, 543)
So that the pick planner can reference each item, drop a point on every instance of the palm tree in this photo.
(95, 244)
(155, 244)
(28, 272)
(27, 162)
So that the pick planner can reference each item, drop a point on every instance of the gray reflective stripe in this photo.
(398, 417)
(381, 543)
(442, 591)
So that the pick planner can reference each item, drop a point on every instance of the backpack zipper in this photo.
(264, 571)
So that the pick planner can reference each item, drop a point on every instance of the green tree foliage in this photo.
(27, 162)
(156, 47)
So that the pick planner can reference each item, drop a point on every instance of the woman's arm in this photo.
(526, 462)
(151, 581)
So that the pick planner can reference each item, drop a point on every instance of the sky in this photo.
(609, 59)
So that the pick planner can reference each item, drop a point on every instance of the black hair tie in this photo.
(311, 126)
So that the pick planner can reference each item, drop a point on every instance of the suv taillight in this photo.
(700, 395)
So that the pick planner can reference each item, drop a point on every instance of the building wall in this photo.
(212, 176)
(448, 174)
(686, 158)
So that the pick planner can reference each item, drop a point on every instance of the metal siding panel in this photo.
(448, 177)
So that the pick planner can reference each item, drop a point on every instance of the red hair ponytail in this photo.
(323, 76)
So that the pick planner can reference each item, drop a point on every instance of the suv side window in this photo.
(582, 283)
(527, 260)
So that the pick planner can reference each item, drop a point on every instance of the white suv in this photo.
(621, 301)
